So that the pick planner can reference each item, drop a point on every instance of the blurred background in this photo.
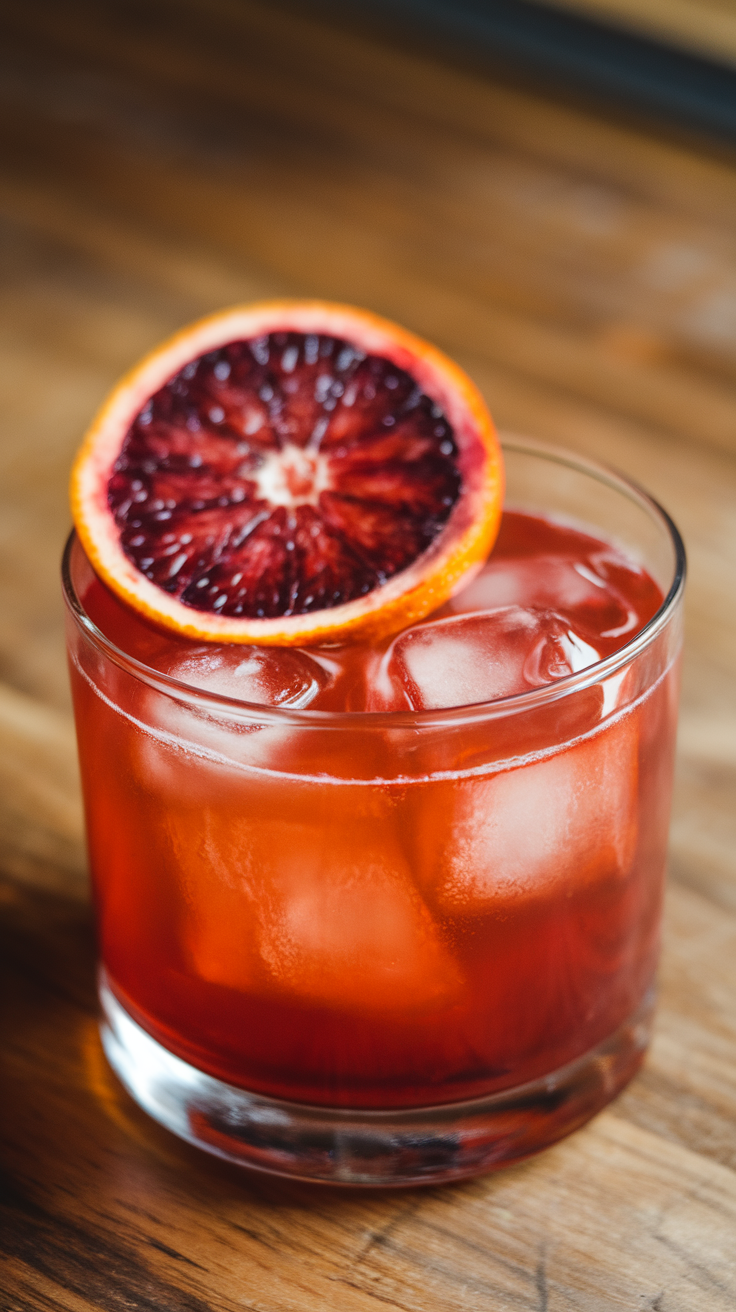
(548, 191)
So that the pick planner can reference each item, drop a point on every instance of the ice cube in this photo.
(269, 676)
(475, 658)
(556, 823)
(579, 588)
(198, 749)
(323, 913)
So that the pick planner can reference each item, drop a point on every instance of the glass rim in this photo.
(454, 716)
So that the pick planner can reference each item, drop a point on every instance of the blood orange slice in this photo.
(291, 472)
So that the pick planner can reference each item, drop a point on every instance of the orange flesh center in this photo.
(292, 477)
(281, 475)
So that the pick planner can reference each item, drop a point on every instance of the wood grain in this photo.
(161, 160)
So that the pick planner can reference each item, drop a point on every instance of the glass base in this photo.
(409, 1146)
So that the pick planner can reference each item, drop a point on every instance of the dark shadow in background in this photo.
(570, 52)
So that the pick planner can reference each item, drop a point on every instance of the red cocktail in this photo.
(390, 911)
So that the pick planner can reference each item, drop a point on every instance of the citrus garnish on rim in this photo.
(289, 473)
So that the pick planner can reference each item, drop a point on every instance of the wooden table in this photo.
(584, 270)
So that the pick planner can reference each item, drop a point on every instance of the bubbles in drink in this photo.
(475, 658)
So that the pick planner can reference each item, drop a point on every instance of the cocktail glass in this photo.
(385, 948)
